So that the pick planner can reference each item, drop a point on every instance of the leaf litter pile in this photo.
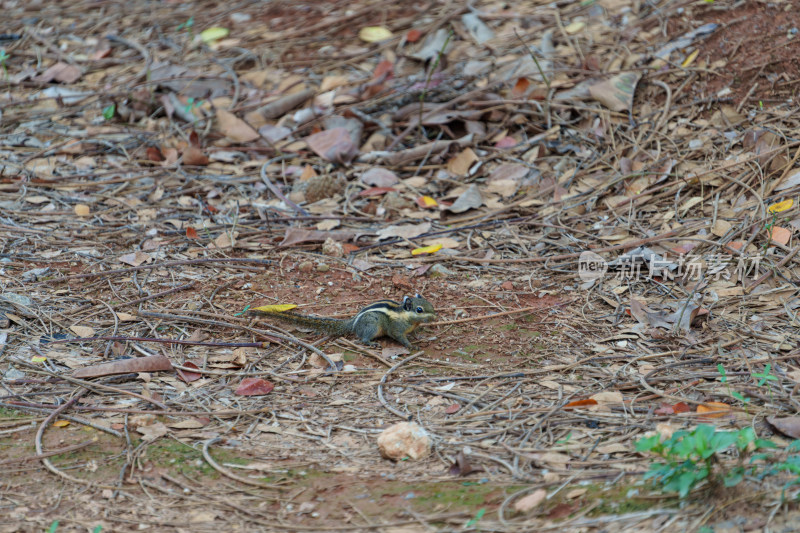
(598, 198)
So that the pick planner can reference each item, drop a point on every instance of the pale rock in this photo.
(405, 439)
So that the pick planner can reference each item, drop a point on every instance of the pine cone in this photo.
(321, 187)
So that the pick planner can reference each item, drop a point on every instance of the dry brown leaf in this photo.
(379, 177)
(299, 235)
(332, 82)
(520, 88)
(171, 156)
(616, 93)
(82, 331)
(788, 425)
(191, 156)
(469, 199)
(711, 410)
(531, 501)
(607, 400)
(235, 128)
(334, 145)
(721, 228)
(224, 240)
(254, 387)
(461, 163)
(406, 231)
(186, 375)
(780, 235)
(510, 172)
(61, 72)
(135, 259)
(153, 431)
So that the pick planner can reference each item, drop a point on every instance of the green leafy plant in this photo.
(766, 377)
(474, 521)
(565, 440)
(733, 393)
(3, 58)
(191, 105)
(791, 463)
(768, 228)
(188, 25)
(54, 527)
(690, 457)
(108, 112)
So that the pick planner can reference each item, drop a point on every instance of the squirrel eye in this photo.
(419, 310)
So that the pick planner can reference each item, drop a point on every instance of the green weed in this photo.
(690, 457)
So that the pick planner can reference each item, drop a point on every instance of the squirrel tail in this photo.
(330, 326)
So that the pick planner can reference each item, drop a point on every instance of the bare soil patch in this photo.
(165, 166)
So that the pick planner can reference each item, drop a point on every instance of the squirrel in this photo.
(382, 318)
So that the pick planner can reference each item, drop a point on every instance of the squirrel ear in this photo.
(407, 303)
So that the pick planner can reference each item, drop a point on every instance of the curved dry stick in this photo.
(224, 471)
(44, 457)
(501, 511)
(277, 192)
(516, 474)
(401, 414)
(234, 79)
(148, 61)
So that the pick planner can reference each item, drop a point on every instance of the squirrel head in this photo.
(420, 309)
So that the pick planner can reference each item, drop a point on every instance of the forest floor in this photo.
(597, 198)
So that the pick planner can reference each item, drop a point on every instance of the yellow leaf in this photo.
(82, 210)
(689, 60)
(714, 410)
(214, 34)
(38, 359)
(575, 27)
(426, 201)
(781, 206)
(277, 308)
(373, 34)
(61, 423)
(427, 249)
